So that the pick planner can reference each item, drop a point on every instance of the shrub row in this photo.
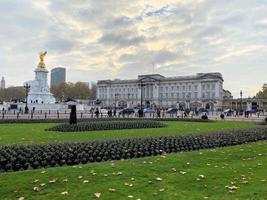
(23, 157)
(106, 125)
(13, 121)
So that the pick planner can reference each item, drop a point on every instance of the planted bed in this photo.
(107, 125)
(23, 157)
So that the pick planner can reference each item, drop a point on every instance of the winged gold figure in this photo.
(42, 54)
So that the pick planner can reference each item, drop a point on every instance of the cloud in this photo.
(121, 39)
(109, 39)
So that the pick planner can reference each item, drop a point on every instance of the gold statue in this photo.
(42, 54)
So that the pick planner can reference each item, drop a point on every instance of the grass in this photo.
(34, 133)
(242, 166)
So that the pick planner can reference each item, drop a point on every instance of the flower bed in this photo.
(107, 125)
(23, 157)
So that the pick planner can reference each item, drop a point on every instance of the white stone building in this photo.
(203, 90)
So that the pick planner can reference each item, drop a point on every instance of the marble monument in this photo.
(39, 89)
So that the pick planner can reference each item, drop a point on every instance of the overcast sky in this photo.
(107, 39)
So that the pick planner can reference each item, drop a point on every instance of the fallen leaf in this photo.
(97, 194)
(162, 190)
(85, 181)
(36, 189)
(130, 196)
(182, 172)
(35, 181)
(21, 198)
(111, 189)
(201, 176)
(174, 170)
(159, 179)
(64, 193)
(53, 180)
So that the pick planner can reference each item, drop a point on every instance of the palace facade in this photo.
(203, 90)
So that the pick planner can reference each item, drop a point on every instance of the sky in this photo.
(108, 39)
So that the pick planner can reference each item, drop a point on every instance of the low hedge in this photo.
(107, 125)
(23, 157)
(24, 121)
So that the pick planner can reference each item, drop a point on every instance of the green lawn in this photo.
(193, 175)
(34, 133)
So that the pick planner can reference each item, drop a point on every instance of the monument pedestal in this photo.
(39, 90)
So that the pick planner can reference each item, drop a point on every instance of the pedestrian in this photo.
(97, 113)
(158, 113)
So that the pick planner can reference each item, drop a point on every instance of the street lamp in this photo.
(141, 87)
(241, 94)
(188, 101)
(27, 89)
(116, 98)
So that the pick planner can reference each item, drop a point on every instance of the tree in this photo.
(77, 90)
(93, 91)
(262, 94)
(12, 93)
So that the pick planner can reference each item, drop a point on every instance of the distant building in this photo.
(245, 104)
(203, 90)
(58, 75)
(3, 83)
(227, 94)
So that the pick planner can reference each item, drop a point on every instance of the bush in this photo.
(265, 120)
(22, 157)
(107, 125)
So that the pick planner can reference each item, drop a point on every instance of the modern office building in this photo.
(203, 90)
(58, 75)
(3, 83)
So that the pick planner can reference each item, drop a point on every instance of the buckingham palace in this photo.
(203, 90)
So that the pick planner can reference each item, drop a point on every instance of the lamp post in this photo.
(188, 101)
(27, 88)
(141, 87)
(241, 94)
(116, 97)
